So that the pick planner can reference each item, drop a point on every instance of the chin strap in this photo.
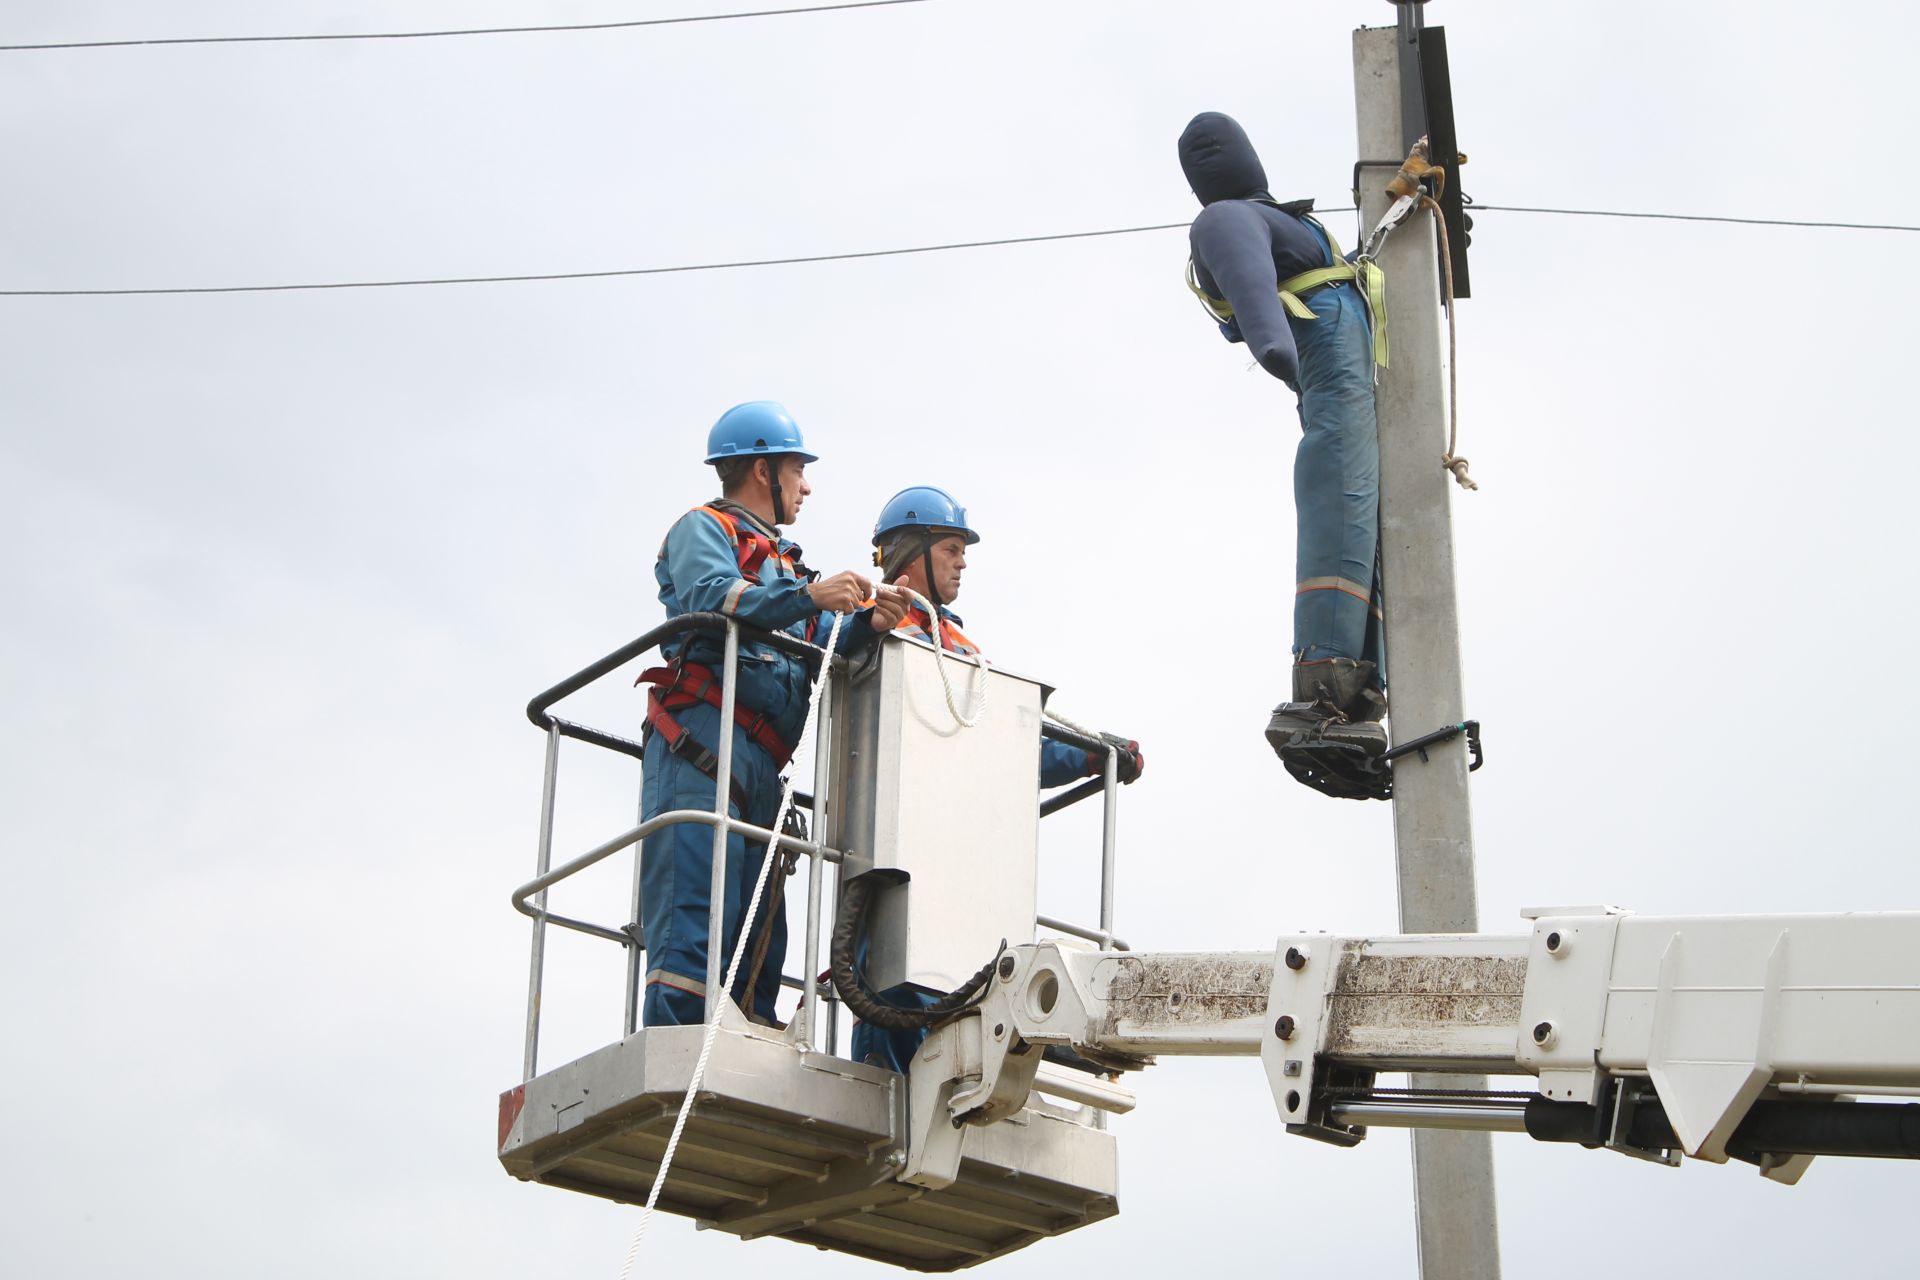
(926, 563)
(773, 483)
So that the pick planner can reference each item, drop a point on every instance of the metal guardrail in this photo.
(530, 899)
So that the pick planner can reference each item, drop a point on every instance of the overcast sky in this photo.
(282, 569)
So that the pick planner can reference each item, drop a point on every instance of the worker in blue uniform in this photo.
(920, 544)
(1274, 279)
(729, 557)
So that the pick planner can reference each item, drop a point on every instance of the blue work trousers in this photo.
(890, 1047)
(676, 865)
(1336, 485)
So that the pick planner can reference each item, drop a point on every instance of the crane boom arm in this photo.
(1737, 1036)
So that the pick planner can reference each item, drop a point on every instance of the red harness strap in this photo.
(751, 548)
(680, 741)
(685, 684)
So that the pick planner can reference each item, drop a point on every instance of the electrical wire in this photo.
(469, 31)
(591, 275)
(869, 253)
(1693, 217)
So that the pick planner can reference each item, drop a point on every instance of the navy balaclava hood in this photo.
(1219, 160)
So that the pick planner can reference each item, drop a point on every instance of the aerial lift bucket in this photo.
(786, 1139)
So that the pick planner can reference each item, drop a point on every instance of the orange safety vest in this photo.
(952, 639)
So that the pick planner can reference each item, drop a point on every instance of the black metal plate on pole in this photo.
(1413, 98)
(1436, 90)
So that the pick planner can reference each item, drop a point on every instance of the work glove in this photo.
(1132, 761)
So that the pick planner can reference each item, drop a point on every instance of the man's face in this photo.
(949, 560)
(793, 484)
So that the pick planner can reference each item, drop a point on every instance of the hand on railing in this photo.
(1132, 760)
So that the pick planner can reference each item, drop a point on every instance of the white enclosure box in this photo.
(956, 808)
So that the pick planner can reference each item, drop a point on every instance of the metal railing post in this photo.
(822, 803)
(722, 798)
(540, 921)
(1109, 798)
(636, 946)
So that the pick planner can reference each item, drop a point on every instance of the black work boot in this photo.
(1368, 704)
(1334, 702)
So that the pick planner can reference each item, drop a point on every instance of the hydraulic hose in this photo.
(855, 898)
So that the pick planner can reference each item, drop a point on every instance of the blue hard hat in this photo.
(923, 507)
(755, 429)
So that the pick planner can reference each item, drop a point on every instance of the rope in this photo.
(946, 687)
(714, 998)
(979, 681)
(1080, 729)
(1404, 184)
(1451, 459)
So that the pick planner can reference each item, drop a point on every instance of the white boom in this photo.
(1744, 1036)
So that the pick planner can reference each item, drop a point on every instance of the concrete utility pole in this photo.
(1432, 826)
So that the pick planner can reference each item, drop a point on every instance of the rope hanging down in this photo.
(1408, 195)
(715, 999)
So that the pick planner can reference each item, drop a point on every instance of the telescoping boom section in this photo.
(1766, 1039)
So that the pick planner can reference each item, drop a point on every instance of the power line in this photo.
(847, 257)
(470, 31)
(1694, 217)
(589, 275)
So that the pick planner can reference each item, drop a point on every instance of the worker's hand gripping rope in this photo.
(715, 999)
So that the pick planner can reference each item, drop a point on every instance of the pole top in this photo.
(1412, 18)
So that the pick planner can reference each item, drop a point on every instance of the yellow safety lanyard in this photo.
(1372, 284)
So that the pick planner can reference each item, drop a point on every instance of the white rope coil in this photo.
(946, 687)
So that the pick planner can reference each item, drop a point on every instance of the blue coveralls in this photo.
(1059, 765)
(699, 572)
(1242, 249)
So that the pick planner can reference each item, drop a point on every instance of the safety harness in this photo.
(682, 684)
(1293, 290)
